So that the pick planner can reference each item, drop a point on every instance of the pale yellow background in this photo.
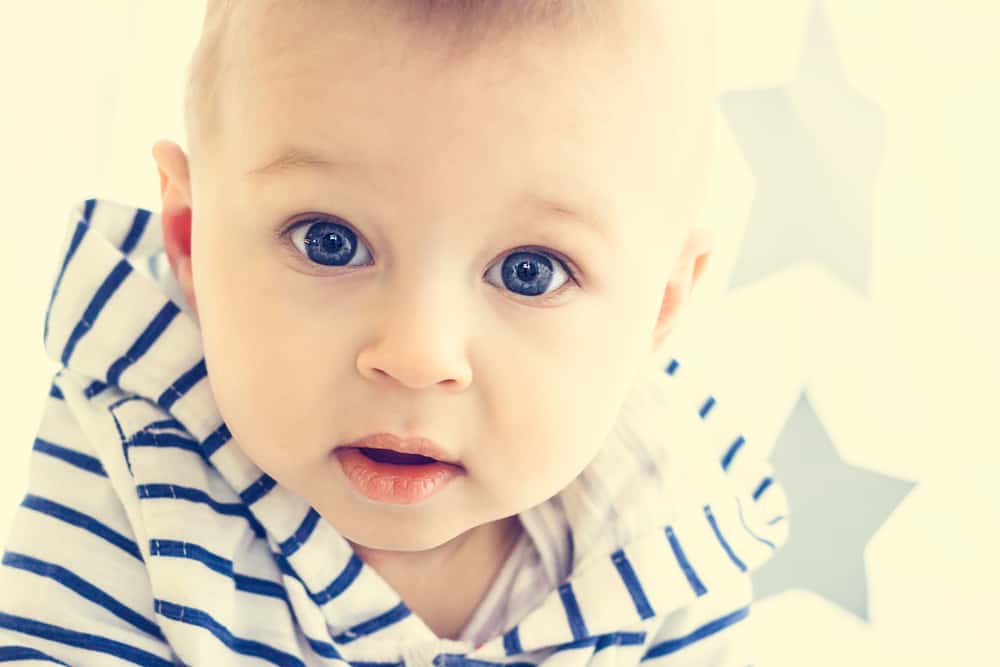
(905, 380)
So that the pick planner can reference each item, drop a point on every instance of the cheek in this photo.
(555, 429)
(278, 415)
(270, 377)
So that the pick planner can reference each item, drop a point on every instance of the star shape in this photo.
(835, 508)
(814, 147)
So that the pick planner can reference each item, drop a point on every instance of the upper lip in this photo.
(411, 445)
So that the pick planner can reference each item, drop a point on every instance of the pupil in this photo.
(332, 242)
(527, 271)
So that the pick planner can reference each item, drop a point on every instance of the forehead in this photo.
(571, 107)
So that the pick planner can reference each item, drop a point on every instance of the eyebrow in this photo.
(294, 158)
(297, 159)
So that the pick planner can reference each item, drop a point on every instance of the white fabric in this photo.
(521, 575)
(148, 537)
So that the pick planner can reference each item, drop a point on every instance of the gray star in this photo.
(834, 508)
(814, 148)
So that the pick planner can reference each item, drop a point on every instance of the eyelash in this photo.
(286, 232)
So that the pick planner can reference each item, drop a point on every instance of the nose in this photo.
(419, 341)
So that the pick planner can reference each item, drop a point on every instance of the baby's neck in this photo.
(465, 567)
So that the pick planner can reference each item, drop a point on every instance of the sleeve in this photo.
(74, 589)
(716, 630)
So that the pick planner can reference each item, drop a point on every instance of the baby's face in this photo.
(455, 295)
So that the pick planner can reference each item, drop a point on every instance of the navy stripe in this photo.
(287, 568)
(82, 640)
(722, 540)
(83, 588)
(766, 482)
(301, 534)
(672, 366)
(775, 520)
(176, 549)
(341, 582)
(706, 407)
(199, 496)
(144, 341)
(11, 653)
(258, 489)
(71, 456)
(572, 608)
(219, 437)
(258, 586)
(240, 645)
(165, 423)
(394, 615)
(182, 385)
(135, 232)
(81, 228)
(512, 642)
(81, 520)
(56, 393)
(619, 639)
(728, 458)
(97, 303)
(682, 560)
(325, 649)
(191, 377)
(94, 388)
(709, 628)
(632, 583)
(603, 641)
(146, 438)
(739, 506)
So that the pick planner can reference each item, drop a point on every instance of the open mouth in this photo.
(389, 456)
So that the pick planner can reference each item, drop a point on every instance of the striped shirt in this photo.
(147, 537)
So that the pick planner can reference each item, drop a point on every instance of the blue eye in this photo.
(327, 243)
(526, 272)
(530, 273)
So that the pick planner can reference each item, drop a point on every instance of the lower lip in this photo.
(393, 483)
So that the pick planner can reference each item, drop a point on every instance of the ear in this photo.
(687, 270)
(175, 216)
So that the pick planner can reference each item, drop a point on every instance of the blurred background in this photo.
(850, 313)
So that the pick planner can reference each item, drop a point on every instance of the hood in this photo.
(673, 478)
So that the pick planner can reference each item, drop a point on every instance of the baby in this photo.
(379, 383)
